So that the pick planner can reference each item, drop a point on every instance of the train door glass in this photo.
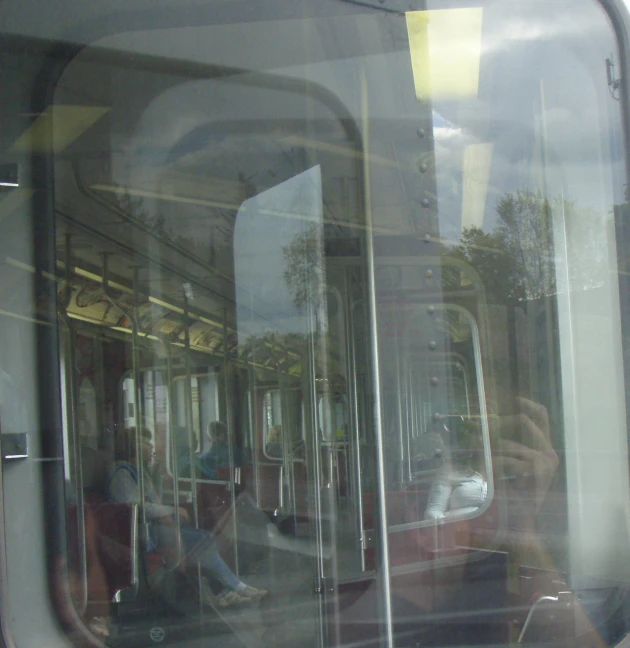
(176, 301)
(280, 274)
(368, 220)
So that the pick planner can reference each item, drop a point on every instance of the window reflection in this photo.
(343, 315)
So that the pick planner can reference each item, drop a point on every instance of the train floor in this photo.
(289, 616)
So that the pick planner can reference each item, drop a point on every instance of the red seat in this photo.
(117, 543)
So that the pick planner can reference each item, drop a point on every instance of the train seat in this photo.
(117, 543)
(94, 467)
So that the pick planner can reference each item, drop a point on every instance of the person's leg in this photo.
(166, 544)
(200, 546)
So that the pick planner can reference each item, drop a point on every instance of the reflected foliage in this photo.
(304, 271)
(164, 224)
(517, 261)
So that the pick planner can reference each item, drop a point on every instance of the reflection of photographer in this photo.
(460, 487)
(527, 462)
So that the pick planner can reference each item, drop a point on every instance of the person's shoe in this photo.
(228, 598)
(253, 593)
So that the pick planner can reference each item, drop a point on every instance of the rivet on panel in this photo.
(432, 345)
(421, 132)
(435, 381)
(424, 202)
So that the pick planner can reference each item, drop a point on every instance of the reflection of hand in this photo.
(528, 466)
(530, 463)
(183, 514)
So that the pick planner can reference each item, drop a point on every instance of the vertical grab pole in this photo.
(288, 436)
(293, 494)
(75, 446)
(188, 411)
(287, 449)
(309, 386)
(253, 419)
(378, 426)
(138, 393)
(173, 446)
(402, 430)
(317, 467)
(411, 432)
(354, 441)
(135, 371)
(229, 413)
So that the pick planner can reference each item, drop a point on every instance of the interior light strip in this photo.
(445, 49)
(57, 127)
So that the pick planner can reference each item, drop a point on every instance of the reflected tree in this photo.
(517, 261)
(304, 270)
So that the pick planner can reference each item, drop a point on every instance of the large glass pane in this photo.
(339, 298)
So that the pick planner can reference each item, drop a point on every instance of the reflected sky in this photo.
(268, 284)
(543, 107)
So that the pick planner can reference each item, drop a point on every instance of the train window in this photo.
(315, 323)
(436, 406)
(189, 429)
(333, 414)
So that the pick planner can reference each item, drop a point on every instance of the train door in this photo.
(301, 418)
(340, 244)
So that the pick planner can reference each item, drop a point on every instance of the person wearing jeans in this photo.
(199, 545)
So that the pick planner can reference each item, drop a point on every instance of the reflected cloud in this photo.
(443, 128)
(535, 23)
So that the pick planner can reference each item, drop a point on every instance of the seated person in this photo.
(218, 455)
(123, 486)
(460, 487)
(273, 447)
